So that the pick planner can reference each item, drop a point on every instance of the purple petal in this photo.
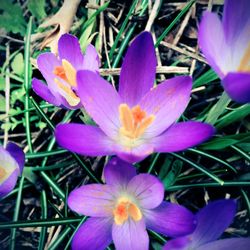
(235, 19)
(8, 185)
(212, 220)
(183, 135)
(9, 169)
(227, 244)
(43, 91)
(212, 42)
(100, 100)
(181, 243)
(170, 219)
(84, 139)
(46, 63)
(147, 189)
(17, 153)
(94, 234)
(69, 49)
(237, 86)
(92, 200)
(135, 154)
(118, 172)
(167, 102)
(91, 59)
(138, 69)
(130, 235)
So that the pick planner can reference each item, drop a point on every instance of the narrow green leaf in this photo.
(218, 109)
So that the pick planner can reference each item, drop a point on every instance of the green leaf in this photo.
(17, 64)
(37, 8)
(226, 141)
(30, 175)
(170, 178)
(17, 95)
(2, 83)
(12, 19)
(236, 115)
(218, 109)
(2, 103)
(206, 78)
(218, 143)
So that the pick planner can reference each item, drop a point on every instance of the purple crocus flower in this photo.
(212, 220)
(11, 166)
(139, 119)
(60, 72)
(226, 46)
(123, 208)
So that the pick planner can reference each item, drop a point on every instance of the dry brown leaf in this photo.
(62, 22)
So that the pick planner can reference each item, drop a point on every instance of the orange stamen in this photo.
(66, 72)
(124, 210)
(60, 72)
(70, 96)
(134, 121)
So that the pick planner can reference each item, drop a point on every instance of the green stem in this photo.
(27, 83)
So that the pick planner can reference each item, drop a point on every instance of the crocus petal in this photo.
(138, 69)
(170, 219)
(83, 139)
(235, 18)
(181, 243)
(227, 244)
(130, 235)
(135, 154)
(17, 153)
(69, 49)
(118, 172)
(91, 59)
(100, 100)
(166, 102)
(212, 42)
(147, 189)
(92, 200)
(9, 184)
(94, 234)
(183, 135)
(237, 86)
(8, 165)
(43, 91)
(46, 63)
(211, 224)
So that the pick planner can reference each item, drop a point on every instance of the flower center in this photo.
(134, 121)
(245, 61)
(3, 174)
(125, 209)
(67, 73)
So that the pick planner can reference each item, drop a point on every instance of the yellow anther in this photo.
(245, 61)
(70, 72)
(68, 94)
(143, 126)
(126, 117)
(124, 210)
(134, 121)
